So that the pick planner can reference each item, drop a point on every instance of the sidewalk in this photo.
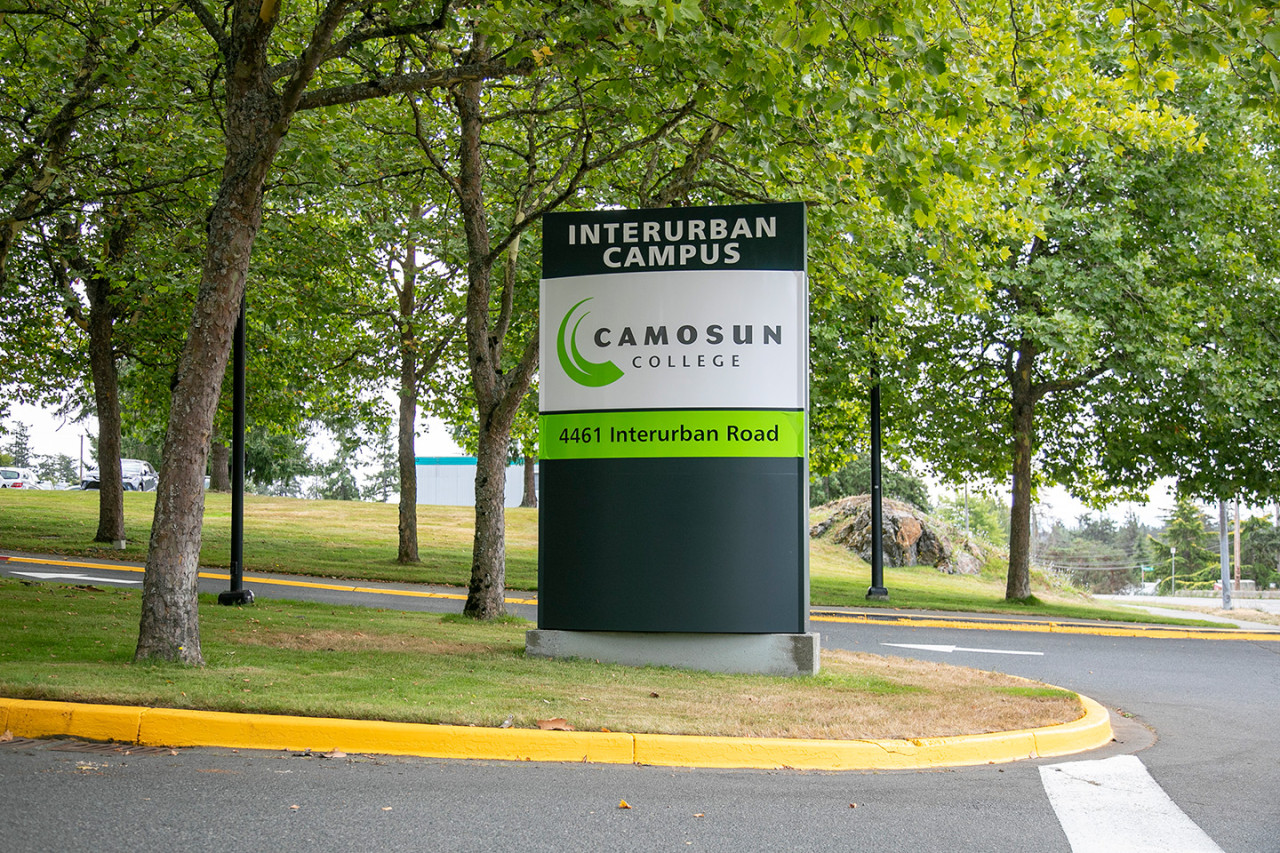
(1182, 608)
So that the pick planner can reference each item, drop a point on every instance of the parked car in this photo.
(137, 475)
(18, 478)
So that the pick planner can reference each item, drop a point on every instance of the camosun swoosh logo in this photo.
(589, 373)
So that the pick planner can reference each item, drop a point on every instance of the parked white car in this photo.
(18, 478)
(137, 476)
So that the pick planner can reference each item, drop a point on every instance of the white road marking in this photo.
(1114, 806)
(49, 576)
(949, 649)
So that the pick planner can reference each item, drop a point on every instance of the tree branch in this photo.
(210, 23)
(368, 28)
(420, 81)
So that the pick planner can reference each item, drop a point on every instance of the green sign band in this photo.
(668, 434)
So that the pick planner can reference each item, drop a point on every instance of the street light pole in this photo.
(237, 594)
(878, 591)
(1173, 569)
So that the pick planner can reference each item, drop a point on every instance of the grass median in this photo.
(357, 541)
(76, 644)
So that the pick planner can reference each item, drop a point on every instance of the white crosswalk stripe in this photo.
(1114, 806)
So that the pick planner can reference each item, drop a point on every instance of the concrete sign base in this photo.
(752, 654)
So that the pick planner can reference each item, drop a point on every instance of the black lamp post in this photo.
(877, 592)
(237, 594)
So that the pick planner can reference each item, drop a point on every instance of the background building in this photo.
(451, 481)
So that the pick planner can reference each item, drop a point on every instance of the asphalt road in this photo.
(1198, 724)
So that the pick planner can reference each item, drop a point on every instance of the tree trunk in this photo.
(106, 396)
(408, 549)
(498, 392)
(530, 499)
(219, 466)
(486, 594)
(169, 629)
(1018, 587)
(254, 125)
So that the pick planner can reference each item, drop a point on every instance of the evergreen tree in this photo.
(56, 468)
(18, 447)
(1193, 563)
(855, 479)
(385, 481)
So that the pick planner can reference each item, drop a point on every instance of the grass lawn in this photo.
(77, 643)
(357, 541)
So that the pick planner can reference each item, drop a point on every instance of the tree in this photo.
(336, 478)
(1134, 539)
(18, 447)
(1183, 541)
(101, 172)
(59, 58)
(548, 163)
(275, 462)
(1093, 322)
(57, 468)
(386, 478)
(260, 98)
(414, 249)
(855, 479)
(422, 341)
(977, 512)
(1260, 551)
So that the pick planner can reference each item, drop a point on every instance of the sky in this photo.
(1055, 502)
(51, 435)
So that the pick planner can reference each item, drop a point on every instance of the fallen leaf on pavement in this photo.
(6, 737)
(559, 724)
(623, 804)
(336, 753)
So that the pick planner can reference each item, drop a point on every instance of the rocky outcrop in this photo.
(910, 538)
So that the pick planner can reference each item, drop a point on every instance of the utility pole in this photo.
(1224, 555)
(1237, 544)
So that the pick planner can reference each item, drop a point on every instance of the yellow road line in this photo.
(854, 618)
(1058, 628)
(269, 581)
(71, 564)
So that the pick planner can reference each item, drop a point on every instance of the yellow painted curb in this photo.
(30, 718)
(1089, 732)
(165, 727)
(170, 727)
